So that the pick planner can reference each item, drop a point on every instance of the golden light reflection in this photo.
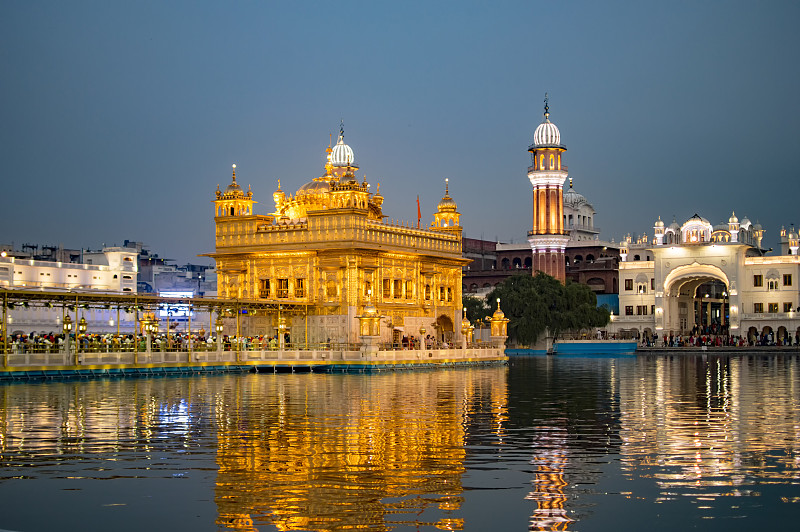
(295, 451)
(322, 457)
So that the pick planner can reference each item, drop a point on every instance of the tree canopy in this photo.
(536, 303)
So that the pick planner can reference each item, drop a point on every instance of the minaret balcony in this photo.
(562, 169)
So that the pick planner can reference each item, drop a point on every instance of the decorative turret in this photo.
(278, 196)
(233, 202)
(758, 234)
(658, 231)
(793, 242)
(499, 326)
(447, 216)
(733, 227)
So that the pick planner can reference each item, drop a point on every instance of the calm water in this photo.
(547, 443)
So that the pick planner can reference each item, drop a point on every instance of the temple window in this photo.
(398, 288)
(427, 292)
(409, 289)
(283, 288)
(367, 288)
(449, 294)
(263, 289)
(552, 162)
(387, 289)
(299, 288)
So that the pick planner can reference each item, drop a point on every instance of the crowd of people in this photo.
(34, 342)
(700, 339)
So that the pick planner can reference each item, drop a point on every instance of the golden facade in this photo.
(327, 251)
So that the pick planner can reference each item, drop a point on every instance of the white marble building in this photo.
(112, 270)
(710, 277)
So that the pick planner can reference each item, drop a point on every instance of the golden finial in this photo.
(234, 172)
(546, 107)
(378, 188)
(446, 186)
(279, 184)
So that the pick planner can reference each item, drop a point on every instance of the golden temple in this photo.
(328, 251)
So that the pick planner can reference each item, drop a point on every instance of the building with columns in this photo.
(327, 251)
(547, 237)
(697, 276)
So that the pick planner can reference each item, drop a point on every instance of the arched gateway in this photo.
(696, 298)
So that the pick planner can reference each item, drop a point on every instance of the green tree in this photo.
(477, 309)
(534, 304)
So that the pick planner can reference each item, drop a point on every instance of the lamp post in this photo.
(67, 330)
(81, 332)
(218, 328)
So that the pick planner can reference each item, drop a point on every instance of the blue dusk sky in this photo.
(119, 119)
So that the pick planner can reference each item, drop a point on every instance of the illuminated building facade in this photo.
(327, 251)
(698, 276)
(547, 237)
(110, 271)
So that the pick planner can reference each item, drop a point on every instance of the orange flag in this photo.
(419, 213)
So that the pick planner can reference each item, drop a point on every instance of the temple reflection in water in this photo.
(336, 452)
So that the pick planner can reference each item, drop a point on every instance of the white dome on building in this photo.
(342, 154)
(572, 198)
(547, 134)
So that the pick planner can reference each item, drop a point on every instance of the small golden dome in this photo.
(447, 203)
(498, 314)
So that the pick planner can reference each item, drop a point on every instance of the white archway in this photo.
(682, 311)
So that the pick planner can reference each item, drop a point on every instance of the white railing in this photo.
(312, 356)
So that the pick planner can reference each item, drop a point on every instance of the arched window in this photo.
(517, 262)
(505, 264)
(590, 258)
(552, 162)
(528, 262)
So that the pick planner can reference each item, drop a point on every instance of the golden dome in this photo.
(498, 314)
(447, 203)
(234, 189)
(317, 186)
